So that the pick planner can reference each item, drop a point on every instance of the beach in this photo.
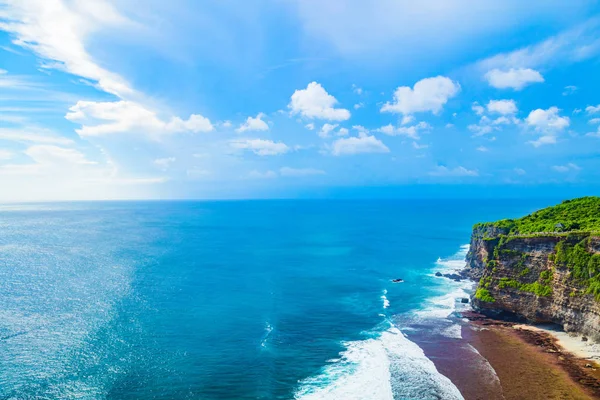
(503, 360)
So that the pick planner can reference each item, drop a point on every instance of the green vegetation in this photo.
(537, 288)
(584, 265)
(582, 214)
(484, 295)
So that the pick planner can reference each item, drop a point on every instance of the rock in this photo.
(397, 280)
(464, 300)
(438, 274)
(454, 277)
(584, 339)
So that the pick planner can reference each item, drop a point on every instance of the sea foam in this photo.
(383, 368)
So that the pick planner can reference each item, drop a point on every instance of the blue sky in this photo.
(298, 98)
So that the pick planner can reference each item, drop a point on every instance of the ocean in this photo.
(287, 299)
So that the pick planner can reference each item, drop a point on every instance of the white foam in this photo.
(383, 368)
(266, 335)
(386, 302)
(454, 263)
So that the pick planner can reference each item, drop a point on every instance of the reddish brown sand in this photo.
(528, 365)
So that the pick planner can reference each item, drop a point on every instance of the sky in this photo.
(222, 99)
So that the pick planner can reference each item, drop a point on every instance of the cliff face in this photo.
(540, 277)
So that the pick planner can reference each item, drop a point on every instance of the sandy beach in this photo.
(524, 362)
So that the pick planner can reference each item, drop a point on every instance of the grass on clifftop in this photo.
(582, 214)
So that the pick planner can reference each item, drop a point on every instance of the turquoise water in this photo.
(230, 300)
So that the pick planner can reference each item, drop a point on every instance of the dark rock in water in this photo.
(438, 274)
(464, 300)
(454, 277)
(397, 280)
(584, 339)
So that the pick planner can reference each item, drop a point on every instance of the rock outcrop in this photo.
(541, 278)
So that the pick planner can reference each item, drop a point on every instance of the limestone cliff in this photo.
(540, 277)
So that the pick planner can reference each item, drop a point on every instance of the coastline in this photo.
(496, 359)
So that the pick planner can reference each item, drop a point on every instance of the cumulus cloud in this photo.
(103, 118)
(364, 143)
(260, 147)
(483, 149)
(300, 172)
(593, 109)
(315, 102)
(442, 170)
(326, 130)
(477, 108)
(310, 127)
(504, 107)
(514, 78)
(410, 131)
(543, 140)
(254, 124)
(547, 120)
(429, 94)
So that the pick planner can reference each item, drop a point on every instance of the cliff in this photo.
(541, 276)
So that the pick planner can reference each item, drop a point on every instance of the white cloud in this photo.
(520, 171)
(547, 120)
(418, 146)
(315, 102)
(513, 78)
(343, 132)
(359, 105)
(310, 127)
(573, 45)
(479, 110)
(326, 129)
(52, 155)
(103, 118)
(56, 30)
(410, 131)
(593, 109)
(254, 124)
(164, 163)
(260, 147)
(483, 149)
(569, 90)
(33, 134)
(407, 119)
(356, 145)
(594, 121)
(419, 30)
(226, 124)
(442, 170)
(5, 154)
(360, 129)
(594, 134)
(543, 140)
(254, 174)
(566, 168)
(504, 107)
(429, 94)
(300, 172)
(357, 90)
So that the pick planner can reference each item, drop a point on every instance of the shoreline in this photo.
(498, 359)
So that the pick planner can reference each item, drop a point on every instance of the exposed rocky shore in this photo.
(532, 277)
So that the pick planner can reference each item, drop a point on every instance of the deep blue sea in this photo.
(231, 300)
